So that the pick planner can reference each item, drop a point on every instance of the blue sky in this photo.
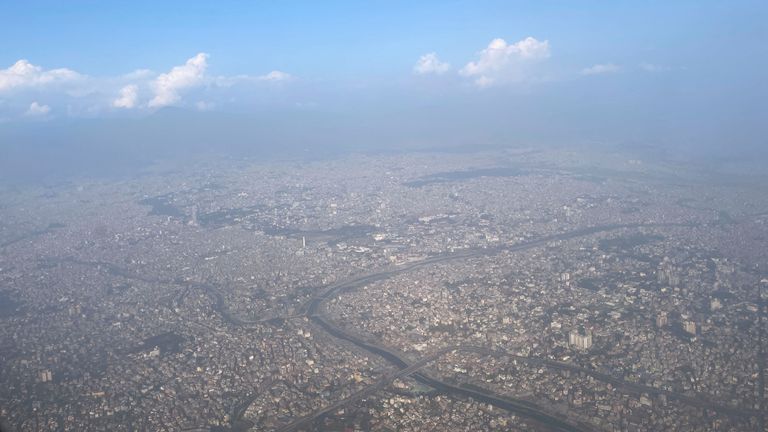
(345, 39)
(606, 70)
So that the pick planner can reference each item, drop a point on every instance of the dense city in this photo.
(512, 289)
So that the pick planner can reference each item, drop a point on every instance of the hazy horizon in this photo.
(131, 83)
(311, 216)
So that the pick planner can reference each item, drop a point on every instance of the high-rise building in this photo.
(689, 327)
(580, 339)
(46, 376)
(662, 320)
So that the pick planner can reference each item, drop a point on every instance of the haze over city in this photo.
(354, 216)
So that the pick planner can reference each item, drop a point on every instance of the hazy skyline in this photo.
(685, 76)
(383, 215)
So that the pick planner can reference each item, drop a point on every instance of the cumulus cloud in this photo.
(73, 94)
(35, 109)
(430, 64)
(503, 62)
(129, 96)
(24, 74)
(167, 86)
(600, 69)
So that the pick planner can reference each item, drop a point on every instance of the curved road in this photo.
(312, 307)
(524, 408)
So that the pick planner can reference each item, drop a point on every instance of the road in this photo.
(313, 306)
(367, 391)
(633, 387)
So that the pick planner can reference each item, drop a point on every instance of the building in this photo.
(46, 376)
(689, 327)
(580, 339)
(715, 304)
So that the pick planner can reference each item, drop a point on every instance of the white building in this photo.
(580, 340)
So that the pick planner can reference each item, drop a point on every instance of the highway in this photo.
(367, 391)
(312, 308)
(631, 387)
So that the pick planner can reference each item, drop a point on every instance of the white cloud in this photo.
(84, 95)
(229, 81)
(600, 69)
(168, 85)
(129, 95)
(24, 74)
(430, 63)
(503, 62)
(650, 67)
(275, 75)
(35, 109)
